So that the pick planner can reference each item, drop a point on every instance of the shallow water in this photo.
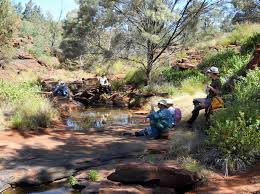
(101, 117)
(50, 189)
(87, 119)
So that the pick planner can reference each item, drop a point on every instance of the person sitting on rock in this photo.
(171, 109)
(213, 90)
(104, 84)
(61, 89)
(161, 122)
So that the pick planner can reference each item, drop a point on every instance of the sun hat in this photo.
(169, 101)
(163, 102)
(213, 70)
(61, 82)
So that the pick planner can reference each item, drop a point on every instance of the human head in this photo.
(169, 102)
(162, 104)
(213, 72)
(62, 83)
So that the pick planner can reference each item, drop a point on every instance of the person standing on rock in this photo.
(161, 122)
(213, 90)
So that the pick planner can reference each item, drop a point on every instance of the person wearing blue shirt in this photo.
(161, 122)
(61, 89)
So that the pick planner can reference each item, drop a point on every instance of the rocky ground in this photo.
(47, 155)
(35, 157)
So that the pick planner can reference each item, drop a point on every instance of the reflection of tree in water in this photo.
(102, 117)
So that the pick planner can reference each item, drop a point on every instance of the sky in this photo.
(53, 6)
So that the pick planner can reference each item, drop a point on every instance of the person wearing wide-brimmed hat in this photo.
(213, 90)
(161, 122)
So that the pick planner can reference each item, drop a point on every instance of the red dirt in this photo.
(247, 182)
(13, 141)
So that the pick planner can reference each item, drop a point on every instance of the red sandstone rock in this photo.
(163, 176)
(255, 62)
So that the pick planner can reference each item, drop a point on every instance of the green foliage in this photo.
(38, 30)
(159, 88)
(102, 33)
(93, 175)
(177, 78)
(240, 34)
(116, 67)
(117, 84)
(72, 180)
(29, 110)
(250, 45)
(235, 129)
(191, 164)
(45, 32)
(8, 25)
(136, 77)
(228, 61)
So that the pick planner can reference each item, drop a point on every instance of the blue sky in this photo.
(53, 6)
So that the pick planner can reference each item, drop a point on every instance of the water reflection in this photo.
(54, 191)
(51, 189)
(101, 117)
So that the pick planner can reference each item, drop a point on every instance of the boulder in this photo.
(146, 173)
(255, 62)
(134, 173)
(24, 55)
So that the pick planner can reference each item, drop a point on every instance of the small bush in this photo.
(30, 110)
(93, 175)
(36, 113)
(8, 25)
(190, 164)
(72, 180)
(117, 84)
(177, 77)
(136, 77)
(116, 67)
(192, 85)
(163, 88)
(236, 129)
(250, 45)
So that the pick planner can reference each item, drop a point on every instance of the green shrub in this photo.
(162, 88)
(191, 164)
(8, 25)
(73, 181)
(136, 77)
(36, 113)
(192, 85)
(177, 77)
(93, 175)
(236, 129)
(30, 110)
(117, 84)
(228, 61)
(116, 67)
(250, 45)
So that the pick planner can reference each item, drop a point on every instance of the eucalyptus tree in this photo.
(137, 30)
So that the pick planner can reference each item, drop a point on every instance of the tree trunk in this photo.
(149, 67)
